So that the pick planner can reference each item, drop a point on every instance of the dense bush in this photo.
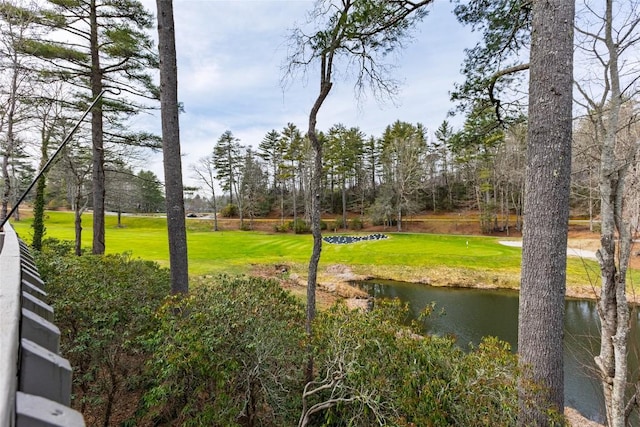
(299, 226)
(376, 369)
(381, 212)
(230, 354)
(104, 307)
(281, 228)
(264, 205)
(229, 211)
(356, 224)
(339, 223)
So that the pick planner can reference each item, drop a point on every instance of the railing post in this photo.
(35, 381)
(9, 324)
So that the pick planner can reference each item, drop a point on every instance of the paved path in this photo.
(570, 251)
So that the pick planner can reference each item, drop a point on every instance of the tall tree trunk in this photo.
(281, 204)
(230, 162)
(240, 203)
(215, 209)
(316, 185)
(294, 196)
(38, 226)
(171, 149)
(344, 204)
(541, 310)
(6, 181)
(97, 138)
(78, 221)
(9, 148)
(613, 308)
(307, 199)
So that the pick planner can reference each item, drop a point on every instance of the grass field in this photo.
(438, 259)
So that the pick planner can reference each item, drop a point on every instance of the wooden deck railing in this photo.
(35, 381)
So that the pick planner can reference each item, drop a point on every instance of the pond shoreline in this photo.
(338, 279)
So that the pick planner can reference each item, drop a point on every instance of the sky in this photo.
(230, 55)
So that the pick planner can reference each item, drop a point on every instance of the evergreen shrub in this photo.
(299, 226)
(356, 224)
(229, 211)
(229, 354)
(104, 307)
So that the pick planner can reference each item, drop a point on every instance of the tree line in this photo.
(385, 179)
(403, 172)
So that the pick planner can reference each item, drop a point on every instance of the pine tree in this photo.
(107, 46)
(227, 159)
(548, 175)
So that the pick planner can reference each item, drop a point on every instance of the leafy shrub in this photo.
(339, 223)
(323, 225)
(381, 369)
(229, 211)
(55, 247)
(229, 354)
(299, 226)
(357, 224)
(485, 382)
(234, 353)
(381, 212)
(104, 307)
(281, 228)
(264, 205)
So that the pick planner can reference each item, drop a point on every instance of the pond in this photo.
(470, 314)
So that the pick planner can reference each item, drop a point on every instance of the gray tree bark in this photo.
(613, 36)
(97, 138)
(613, 308)
(541, 311)
(171, 148)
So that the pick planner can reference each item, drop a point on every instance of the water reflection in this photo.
(470, 314)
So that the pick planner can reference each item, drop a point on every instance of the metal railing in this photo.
(35, 381)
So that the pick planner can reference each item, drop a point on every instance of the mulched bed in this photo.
(345, 240)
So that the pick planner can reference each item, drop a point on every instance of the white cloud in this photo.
(229, 69)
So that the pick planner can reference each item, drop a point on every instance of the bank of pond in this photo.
(470, 314)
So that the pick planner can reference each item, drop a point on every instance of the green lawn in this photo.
(403, 256)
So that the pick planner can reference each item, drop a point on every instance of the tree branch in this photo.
(492, 84)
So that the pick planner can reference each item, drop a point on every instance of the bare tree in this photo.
(608, 34)
(360, 34)
(16, 24)
(542, 291)
(205, 171)
(171, 148)
(403, 151)
(253, 184)
(69, 179)
(585, 168)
